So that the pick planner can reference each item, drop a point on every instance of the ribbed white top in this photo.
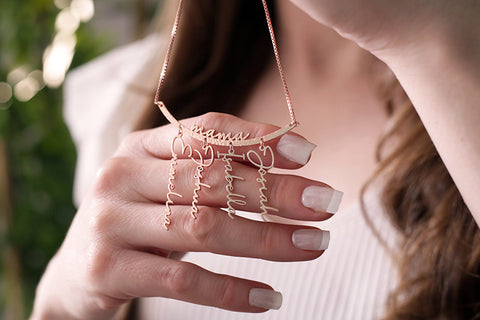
(351, 280)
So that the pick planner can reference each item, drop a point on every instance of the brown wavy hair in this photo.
(439, 257)
(222, 49)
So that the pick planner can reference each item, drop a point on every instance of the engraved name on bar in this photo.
(212, 134)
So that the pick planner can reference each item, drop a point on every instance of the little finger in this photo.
(141, 274)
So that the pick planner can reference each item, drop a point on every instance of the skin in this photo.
(433, 49)
(117, 248)
(329, 79)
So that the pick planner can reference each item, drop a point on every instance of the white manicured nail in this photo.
(295, 149)
(265, 298)
(311, 239)
(322, 199)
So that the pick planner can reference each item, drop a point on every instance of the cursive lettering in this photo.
(198, 176)
(212, 134)
(232, 198)
(258, 161)
(172, 172)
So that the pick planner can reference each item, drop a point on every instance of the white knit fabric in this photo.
(103, 101)
(350, 281)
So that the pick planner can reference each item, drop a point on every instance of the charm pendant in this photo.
(262, 159)
(258, 160)
(232, 198)
(198, 176)
(201, 159)
(171, 181)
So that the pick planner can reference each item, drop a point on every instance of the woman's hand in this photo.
(117, 248)
(389, 26)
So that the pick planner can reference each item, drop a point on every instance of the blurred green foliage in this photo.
(39, 154)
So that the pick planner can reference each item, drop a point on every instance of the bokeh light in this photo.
(25, 89)
(61, 4)
(5, 92)
(83, 9)
(66, 21)
(58, 56)
(57, 59)
(17, 75)
(37, 75)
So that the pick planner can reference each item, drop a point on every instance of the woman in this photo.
(117, 248)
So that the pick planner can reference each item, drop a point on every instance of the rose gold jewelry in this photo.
(262, 158)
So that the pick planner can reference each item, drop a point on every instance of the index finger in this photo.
(290, 151)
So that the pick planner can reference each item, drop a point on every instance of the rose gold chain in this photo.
(293, 121)
(279, 64)
(168, 54)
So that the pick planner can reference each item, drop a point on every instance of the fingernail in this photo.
(311, 239)
(295, 149)
(322, 199)
(265, 298)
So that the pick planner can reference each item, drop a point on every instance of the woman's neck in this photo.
(314, 51)
(330, 80)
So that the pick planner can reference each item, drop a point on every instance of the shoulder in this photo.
(104, 99)
(98, 85)
(118, 62)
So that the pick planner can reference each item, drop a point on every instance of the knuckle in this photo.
(103, 218)
(262, 130)
(214, 177)
(202, 227)
(188, 170)
(105, 303)
(130, 141)
(217, 120)
(268, 239)
(110, 175)
(227, 293)
(179, 278)
(99, 263)
(278, 187)
(212, 119)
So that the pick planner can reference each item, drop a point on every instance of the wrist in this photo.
(54, 300)
(48, 305)
(445, 40)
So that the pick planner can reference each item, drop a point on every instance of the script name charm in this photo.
(258, 161)
(232, 198)
(201, 160)
(172, 175)
(171, 186)
(198, 176)
(263, 160)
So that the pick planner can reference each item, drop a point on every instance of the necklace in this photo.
(261, 157)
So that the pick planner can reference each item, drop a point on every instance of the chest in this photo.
(343, 117)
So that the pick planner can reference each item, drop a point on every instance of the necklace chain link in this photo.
(293, 121)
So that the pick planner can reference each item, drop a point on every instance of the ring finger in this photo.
(215, 232)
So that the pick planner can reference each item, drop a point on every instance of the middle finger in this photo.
(241, 188)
